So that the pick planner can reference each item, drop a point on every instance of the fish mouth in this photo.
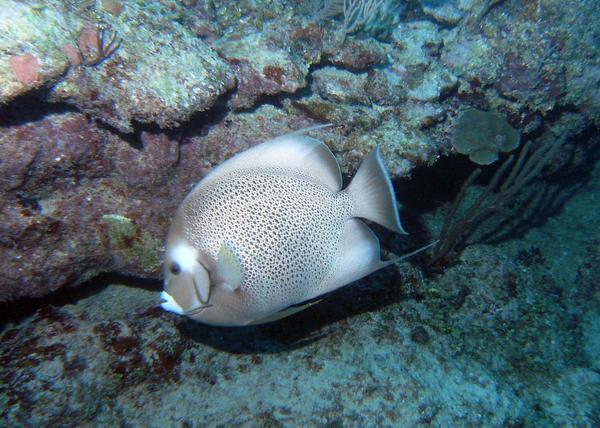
(169, 304)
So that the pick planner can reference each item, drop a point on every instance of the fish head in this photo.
(186, 281)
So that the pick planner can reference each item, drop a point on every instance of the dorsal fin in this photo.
(293, 152)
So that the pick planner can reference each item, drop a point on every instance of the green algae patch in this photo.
(126, 240)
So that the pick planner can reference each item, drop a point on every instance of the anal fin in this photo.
(359, 256)
(284, 313)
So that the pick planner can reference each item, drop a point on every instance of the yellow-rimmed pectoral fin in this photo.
(228, 270)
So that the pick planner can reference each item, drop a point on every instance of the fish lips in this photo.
(169, 304)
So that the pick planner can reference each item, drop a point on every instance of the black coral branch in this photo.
(507, 182)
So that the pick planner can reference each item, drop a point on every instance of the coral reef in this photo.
(66, 188)
(64, 360)
(472, 346)
(31, 41)
(145, 64)
(111, 111)
(481, 135)
(149, 79)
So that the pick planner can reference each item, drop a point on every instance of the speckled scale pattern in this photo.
(285, 228)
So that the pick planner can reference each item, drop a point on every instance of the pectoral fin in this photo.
(228, 270)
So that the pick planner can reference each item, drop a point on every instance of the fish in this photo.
(271, 228)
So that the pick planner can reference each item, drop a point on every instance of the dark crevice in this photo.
(431, 188)
(200, 122)
(31, 107)
(29, 202)
(261, 100)
(13, 312)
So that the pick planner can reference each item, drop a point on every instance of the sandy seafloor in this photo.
(508, 337)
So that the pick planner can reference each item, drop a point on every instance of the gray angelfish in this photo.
(271, 228)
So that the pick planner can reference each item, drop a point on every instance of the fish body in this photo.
(271, 228)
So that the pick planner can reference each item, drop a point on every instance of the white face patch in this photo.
(170, 304)
(185, 256)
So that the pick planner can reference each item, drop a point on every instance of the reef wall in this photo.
(111, 111)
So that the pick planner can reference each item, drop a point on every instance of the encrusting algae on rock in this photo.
(126, 239)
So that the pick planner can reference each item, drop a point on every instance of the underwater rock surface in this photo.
(111, 111)
(101, 141)
(66, 49)
(504, 338)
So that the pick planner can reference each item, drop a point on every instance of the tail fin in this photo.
(373, 195)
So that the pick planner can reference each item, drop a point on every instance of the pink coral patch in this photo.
(88, 40)
(26, 68)
(73, 54)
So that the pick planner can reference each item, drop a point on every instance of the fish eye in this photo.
(175, 269)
